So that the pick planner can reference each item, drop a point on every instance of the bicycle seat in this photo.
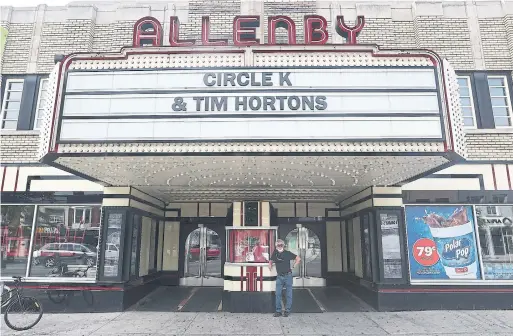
(17, 277)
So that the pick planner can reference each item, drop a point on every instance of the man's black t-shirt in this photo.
(282, 261)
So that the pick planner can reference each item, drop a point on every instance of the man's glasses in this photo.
(280, 245)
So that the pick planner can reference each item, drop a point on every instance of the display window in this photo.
(495, 227)
(250, 245)
(50, 241)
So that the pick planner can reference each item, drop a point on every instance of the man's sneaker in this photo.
(286, 314)
(277, 314)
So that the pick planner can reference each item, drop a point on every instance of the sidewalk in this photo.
(365, 323)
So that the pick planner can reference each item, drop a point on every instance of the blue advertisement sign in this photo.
(442, 243)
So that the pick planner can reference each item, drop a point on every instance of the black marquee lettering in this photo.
(282, 102)
(257, 106)
(321, 103)
(284, 78)
(297, 102)
(308, 101)
(206, 77)
(238, 103)
(253, 80)
(269, 104)
(219, 104)
(229, 77)
(240, 81)
(267, 79)
(198, 101)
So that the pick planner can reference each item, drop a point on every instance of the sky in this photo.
(33, 3)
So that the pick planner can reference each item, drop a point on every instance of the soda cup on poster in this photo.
(454, 239)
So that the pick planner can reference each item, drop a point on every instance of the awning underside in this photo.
(229, 178)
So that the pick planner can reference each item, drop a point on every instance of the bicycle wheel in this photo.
(88, 297)
(56, 297)
(6, 297)
(23, 314)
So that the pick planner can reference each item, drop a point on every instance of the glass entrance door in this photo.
(306, 244)
(203, 262)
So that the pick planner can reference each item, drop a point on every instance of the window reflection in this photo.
(16, 230)
(496, 239)
(114, 221)
(65, 241)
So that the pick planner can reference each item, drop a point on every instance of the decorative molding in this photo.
(254, 147)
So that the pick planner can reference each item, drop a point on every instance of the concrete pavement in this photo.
(468, 323)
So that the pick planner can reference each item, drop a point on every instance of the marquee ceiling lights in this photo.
(180, 178)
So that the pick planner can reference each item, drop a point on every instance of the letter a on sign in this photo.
(147, 31)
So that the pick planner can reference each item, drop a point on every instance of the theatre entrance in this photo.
(203, 251)
(307, 241)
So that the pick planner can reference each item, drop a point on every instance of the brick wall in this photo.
(113, 36)
(19, 148)
(221, 19)
(101, 30)
(490, 146)
(17, 48)
(377, 31)
(508, 25)
(450, 38)
(63, 38)
(496, 49)
(296, 11)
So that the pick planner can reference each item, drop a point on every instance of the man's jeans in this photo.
(284, 281)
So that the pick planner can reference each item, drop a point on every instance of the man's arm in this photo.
(296, 261)
(271, 261)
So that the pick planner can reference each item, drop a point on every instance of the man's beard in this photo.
(280, 249)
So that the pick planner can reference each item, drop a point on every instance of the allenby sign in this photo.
(148, 31)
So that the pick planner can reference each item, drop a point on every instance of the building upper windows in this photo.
(41, 102)
(501, 102)
(467, 102)
(12, 103)
(485, 99)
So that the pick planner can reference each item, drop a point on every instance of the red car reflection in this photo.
(213, 252)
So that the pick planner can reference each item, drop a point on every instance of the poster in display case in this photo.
(250, 245)
(442, 242)
(391, 244)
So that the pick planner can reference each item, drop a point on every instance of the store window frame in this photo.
(405, 276)
(366, 223)
(472, 106)
(351, 259)
(134, 221)
(104, 227)
(481, 250)
(507, 97)
(27, 276)
(85, 209)
(5, 101)
(39, 107)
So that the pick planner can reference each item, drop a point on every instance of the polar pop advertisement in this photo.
(442, 243)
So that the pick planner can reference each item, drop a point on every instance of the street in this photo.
(424, 323)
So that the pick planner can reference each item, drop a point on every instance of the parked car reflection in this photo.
(72, 253)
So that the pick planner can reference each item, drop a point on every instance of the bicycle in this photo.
(16, 305)
(63, 296)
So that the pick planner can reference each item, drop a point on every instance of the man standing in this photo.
(282, 259)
